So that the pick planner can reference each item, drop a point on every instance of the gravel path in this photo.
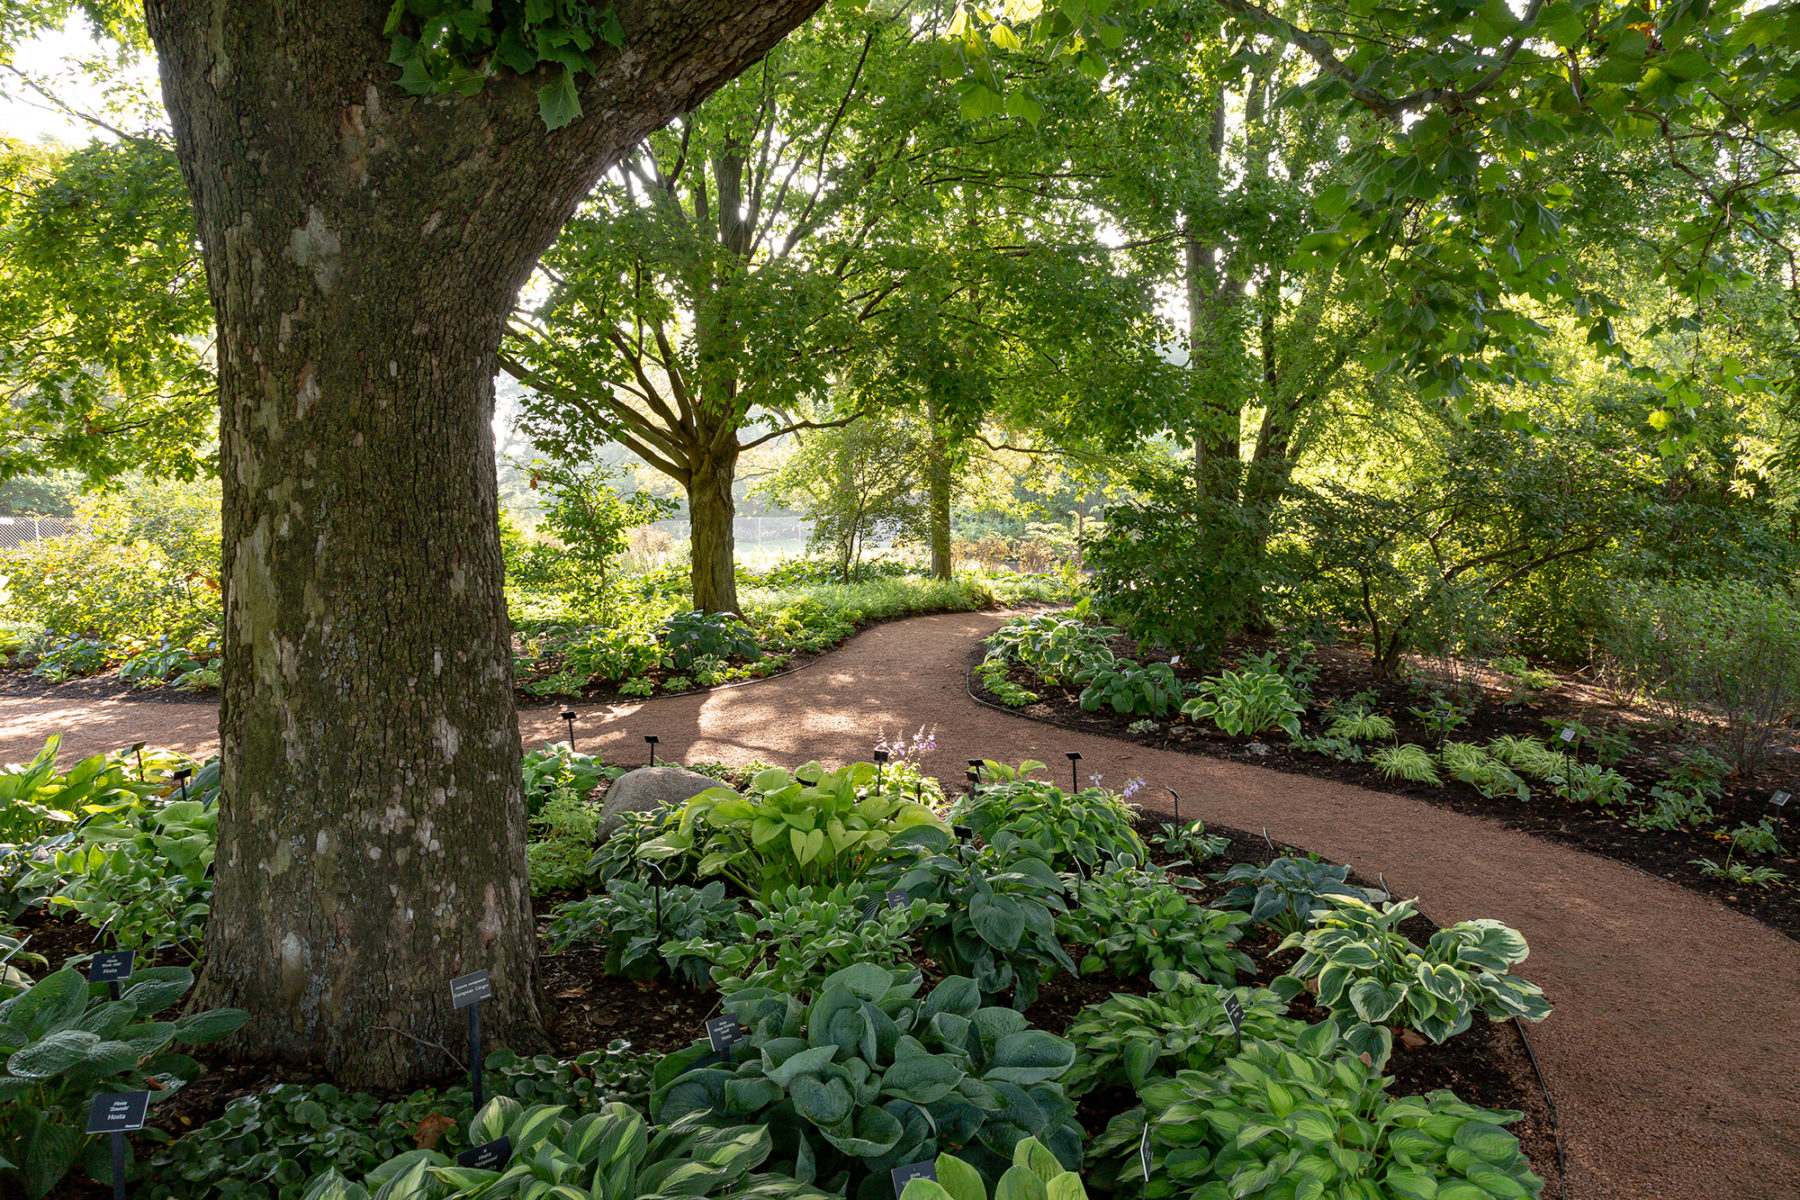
(1674, 1051)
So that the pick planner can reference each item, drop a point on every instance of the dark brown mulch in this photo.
(1345, 669)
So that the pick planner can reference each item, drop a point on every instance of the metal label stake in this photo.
(468, 991)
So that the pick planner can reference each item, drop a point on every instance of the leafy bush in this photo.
(1086, 828)
(1280, 1122)
(63, 657)
(999, 921)
(36, 798)
(1726, 651)
(799, 936)
(267, 1146)
(806, 827)
(1443, 716)
(1583, 783)
(1125, 1041)
(609, 1154)
(1340, 748)
(1132, 921)
(1529, 756)
(867, 1077)
(1739, 873)
(635, 924)
(152, 665)
(1480, 770)
(1286, 892)
(1370, 975)
(558, 857)
(1035, 1173)
(557, 770)
(1052, 647)
(611, 654)
(1673, 808)
(64, 1041)
(1407, 761)
(1130, 689)
(1247, 702)
(690, 635)
(1192, 843)
(1361, 726)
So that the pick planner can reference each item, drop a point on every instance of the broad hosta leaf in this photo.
(197, 1029)
(53, 1054)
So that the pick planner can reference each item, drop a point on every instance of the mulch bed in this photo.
(1345, 669)
(1487, 1065)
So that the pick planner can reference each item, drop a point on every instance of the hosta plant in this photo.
(558, 770)
(1310, 1120)
(1372, 976)
(1036, 1174)
(1084, 829)
(1583, 783)
(611, 1154)
(1192, 843)
(1285, 892)
(1474, 766)
(1408, 761)
(802, 828)
(998, 922)
(64, 1041)
(1127, 1040)
(1130, 921)
(993, 678)
(797, 937)
(871, 1076)
(643, 927)
(1247, 702)
(691, 635)
(1053, 648)
(1129, 689)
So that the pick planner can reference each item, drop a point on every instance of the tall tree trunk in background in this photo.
(712, 513)
(937, 480)
(363, 249)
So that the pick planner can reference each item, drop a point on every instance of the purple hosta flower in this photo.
(1134, 787)
(1095, 779)
(900, 749)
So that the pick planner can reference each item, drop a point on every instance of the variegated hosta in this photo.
(1364, 970)
(803, 828)
(1309, 1121)
(612, 1154)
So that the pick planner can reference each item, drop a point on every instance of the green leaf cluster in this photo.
(1129, 688)
(1365, 971)
(1408, 761)
(1286, 892)
(64, 1042)
(1131, 921)
(1247, 702)
(1126, 1041)
(868, 1077)
(1068, 830)
(1036, 1174)
(637, 927)
(1482, 771)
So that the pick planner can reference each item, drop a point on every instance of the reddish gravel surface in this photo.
(1673, 1052)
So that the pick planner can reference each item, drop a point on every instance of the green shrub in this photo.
(806, 827)
(1311, 1119)
(1131, 922)
(1085, 829)
(1583, 783)
(1247, 702)
(61, 658)
(868, 1077)
(636, 924)
(797, 937)
(1192, 843)
(1361, 726)
(557, 857)
(64, 1041)
(1129, 689)
(1725, 655)
(1371, 976)
(691, 635)
(557, 770)
(1052, 647)
(1408, 761)
(1480, 770)
(1529, 756)
(1125, 1041)
(1286, 893)
(993, 678)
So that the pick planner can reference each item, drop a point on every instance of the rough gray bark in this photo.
(363, 249)
(713, 534)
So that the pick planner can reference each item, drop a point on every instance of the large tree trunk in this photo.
(712, 515)
(363, 249)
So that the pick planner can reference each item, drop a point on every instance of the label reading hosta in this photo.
(896, 899)
(911, 1171)
(468, 989)
(723, 1033)
(1234, 1009)
(111, 967)
(1780, 799)
(1568, 735)
(490, 1156)
(118, 1112)
(1144, 1151)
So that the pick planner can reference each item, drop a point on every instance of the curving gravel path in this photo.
(1674, 1051)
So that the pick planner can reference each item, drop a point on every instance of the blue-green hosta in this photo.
(64, 1041)
(1149, 690)
(1372, 976)
(1084, 829)
(1125, 1041)
(803, 828)
(870, 1076)
(1310, 1120)
(1247, 702)
(612, 1154)
(1132, 921)
(1284, 893)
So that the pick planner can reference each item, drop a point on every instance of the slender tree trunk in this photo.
(363, 249)
(712, 513)
(937, 478)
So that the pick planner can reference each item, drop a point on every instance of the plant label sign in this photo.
(118, 1112)
(490, 1156)
(963, 833)
(896, 899)
(469, 989)
(1144, 1151)
(1780, 799)
(1234, 1009)
(111, 967)
(1567, 735)
(911, 1171)
(722, 1033)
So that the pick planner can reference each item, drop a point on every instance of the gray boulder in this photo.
(647, 789)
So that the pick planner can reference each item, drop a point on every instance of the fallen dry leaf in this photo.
(426, 1136)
